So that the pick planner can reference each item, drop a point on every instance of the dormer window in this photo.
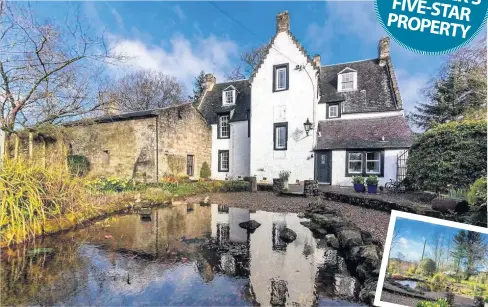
(347, 80)
(229, 96)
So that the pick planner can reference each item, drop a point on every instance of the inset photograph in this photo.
(430, 262)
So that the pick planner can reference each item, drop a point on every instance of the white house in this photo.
(327, 123)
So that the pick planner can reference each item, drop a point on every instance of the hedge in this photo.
(451, 155)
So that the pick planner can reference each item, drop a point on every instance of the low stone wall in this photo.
(361, 253)
(278, 186)
(311, 188)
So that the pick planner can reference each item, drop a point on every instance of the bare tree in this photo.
(250, 59)
(146, 89)
(397, 234)
(48, 70)
(437, 248)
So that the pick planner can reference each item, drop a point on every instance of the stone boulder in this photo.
(349, 238)
(368, 291)
(367, 237)
(332, 241)
(250, 225)
(330, 258)
(288, 235)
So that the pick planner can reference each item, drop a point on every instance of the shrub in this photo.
(438, 303)
(438, 282)
(31, 194)
(284, 175)
(358, 180)
(78, 165)
(411, 270)
(427, 266)
(452, 154)
(477, 192)
(205, 171)
(372, 180)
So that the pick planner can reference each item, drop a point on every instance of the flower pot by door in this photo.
(372, 189)
(359, 187)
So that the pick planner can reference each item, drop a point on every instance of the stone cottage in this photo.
(144, 145)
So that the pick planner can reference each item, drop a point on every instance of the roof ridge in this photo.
(364, 60)
(362, 118)
(232, 81)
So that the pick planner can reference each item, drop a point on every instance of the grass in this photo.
(37, 200)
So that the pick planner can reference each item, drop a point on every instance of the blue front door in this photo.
(323, 166)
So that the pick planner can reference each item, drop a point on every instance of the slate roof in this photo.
(211, 104)
(374, 92)
(123, 116)
(364, 133)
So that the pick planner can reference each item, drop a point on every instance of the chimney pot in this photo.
(384, 50)
(283, 22)
(316, 60)
(210, 81)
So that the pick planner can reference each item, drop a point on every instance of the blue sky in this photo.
(412, 235)
(182, 38)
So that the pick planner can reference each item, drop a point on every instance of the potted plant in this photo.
(372, 182)
(284, 176)
(358, 182)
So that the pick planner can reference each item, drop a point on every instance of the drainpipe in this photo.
(157, 149)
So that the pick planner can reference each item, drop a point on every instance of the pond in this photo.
(182, 255)
(409, 283)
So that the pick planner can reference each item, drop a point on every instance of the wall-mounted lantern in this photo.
(308, 126)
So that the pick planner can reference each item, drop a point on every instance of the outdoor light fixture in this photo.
(308, 126)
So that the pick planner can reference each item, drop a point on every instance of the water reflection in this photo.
(185, 255)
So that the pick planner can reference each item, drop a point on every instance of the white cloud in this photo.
(179, 12)
(181, 58)
(357, 21)
(117, 17)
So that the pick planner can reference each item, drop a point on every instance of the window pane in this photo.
(372, 167)
(229, 97)
(281, 78)
(280, 137)
(333, 111)
(373, 156)
(224, 126)
(355, 167)
(224, 160)
(355, 156)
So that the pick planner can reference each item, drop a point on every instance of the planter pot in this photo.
(285, 185)
(359, 187)
(372, 189)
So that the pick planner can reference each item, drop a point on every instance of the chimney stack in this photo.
(282, 22)
(316, 60)
(210, 82)
(384, 50)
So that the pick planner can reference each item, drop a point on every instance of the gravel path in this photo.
(370, 220)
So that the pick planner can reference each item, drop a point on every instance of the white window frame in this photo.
(224, 124)
(222, 160)
(346, 74)
(336, 107)
(283, 72)
(378, 161)
(349, 163)
(280, 134)
(225, 97)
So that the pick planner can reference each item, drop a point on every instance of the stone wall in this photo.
(182, 132)
(124, 148)
(128, 148)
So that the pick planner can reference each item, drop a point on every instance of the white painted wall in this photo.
(339, 167)
(238, 146)
(321, 114)
(294, 106)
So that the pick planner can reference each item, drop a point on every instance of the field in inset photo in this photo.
(435, 265)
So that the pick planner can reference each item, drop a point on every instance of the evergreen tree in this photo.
(458, 91)
(469, 250)
(198, 88)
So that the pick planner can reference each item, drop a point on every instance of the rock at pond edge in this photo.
(288, 235)
(250, 225)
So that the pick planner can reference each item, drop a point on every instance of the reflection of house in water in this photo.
(278, 273)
